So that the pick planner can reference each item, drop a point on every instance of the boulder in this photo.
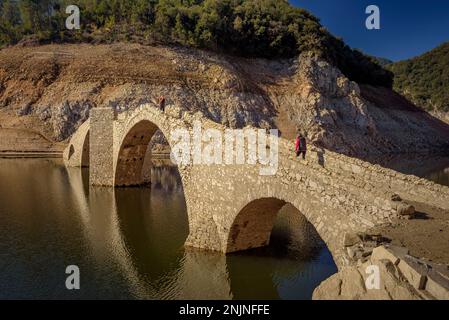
(371, 244)
(353, 286)
(437, 285)
(350, 284)
(404, 209)
(351, 239)
(442, 270)
(329, 289)
(352, 251)
(391, 288)
(414, 271)
(399, 252)
(382, 253)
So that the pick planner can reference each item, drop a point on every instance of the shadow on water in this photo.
(128, 243)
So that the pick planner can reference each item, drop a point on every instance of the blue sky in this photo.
(408, 28)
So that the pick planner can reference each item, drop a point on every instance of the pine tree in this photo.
(261, 28)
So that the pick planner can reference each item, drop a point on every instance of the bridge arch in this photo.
(253, 225)
(77, 154)
(133, 161)
(135, 155)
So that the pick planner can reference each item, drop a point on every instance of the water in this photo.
(128, 243)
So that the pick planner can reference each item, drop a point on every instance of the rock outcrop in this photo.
(385, 272)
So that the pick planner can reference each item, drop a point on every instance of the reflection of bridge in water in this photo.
(232, 207)
(194, 275)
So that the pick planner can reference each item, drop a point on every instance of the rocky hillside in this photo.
(50, 89)
(425, 80)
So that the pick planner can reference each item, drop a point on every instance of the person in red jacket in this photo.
(162, 103)
(297, 144)
(301, 146)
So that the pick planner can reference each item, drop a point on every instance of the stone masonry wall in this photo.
(374, 177)
(101, 144)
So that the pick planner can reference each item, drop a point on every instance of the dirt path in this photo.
(285, 124)
(426, 236)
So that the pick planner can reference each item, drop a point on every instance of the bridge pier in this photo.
(102, 147)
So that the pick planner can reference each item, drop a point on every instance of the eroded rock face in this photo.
(66, 118)
(335, 115)
(358, 120)
(60, 83)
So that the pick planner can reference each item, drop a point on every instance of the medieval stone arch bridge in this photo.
(232, 207)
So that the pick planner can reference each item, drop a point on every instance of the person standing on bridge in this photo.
(162, 103)
(301, 146)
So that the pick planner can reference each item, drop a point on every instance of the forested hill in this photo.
(252, 28)
(382, 61)
(425, 79)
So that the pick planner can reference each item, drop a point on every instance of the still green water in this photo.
(128, 243)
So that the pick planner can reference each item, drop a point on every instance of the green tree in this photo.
(253, 28)
(9, 23)
(425, 79)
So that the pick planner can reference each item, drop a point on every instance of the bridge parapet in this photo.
(379, 179)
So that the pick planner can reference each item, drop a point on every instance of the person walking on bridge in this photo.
(301, 146)
(162, 103)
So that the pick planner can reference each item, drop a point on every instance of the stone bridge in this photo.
(233, 207)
